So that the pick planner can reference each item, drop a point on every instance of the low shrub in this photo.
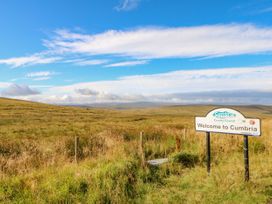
(186, 159)
(258, 147)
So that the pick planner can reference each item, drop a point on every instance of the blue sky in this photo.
(92, 51)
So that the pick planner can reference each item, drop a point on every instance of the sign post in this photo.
(208, 147)
(226, 120)
(246, 159)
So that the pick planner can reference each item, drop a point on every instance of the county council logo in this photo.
(224, 114)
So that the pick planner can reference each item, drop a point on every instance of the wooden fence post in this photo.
(76, 148)
(141, 149)
(178, 143)
(184, 133)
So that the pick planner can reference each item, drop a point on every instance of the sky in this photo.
(108, 51)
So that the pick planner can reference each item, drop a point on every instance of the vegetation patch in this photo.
(37, 144)
(186, 159)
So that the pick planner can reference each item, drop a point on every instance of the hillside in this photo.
(37, 156)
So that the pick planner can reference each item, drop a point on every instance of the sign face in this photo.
(226, 120)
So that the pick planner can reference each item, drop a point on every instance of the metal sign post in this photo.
(246, 159)
(226, 120)
(208, 148)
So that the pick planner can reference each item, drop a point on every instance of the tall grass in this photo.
(37, 156)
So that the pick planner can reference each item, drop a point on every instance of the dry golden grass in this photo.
(37, 152)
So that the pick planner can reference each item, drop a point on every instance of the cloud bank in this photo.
(246, 85)
(14, 90)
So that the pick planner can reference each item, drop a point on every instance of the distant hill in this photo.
(37, 155)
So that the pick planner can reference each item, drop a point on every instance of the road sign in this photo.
(226, 120)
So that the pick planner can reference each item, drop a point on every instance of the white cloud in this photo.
(90, 62)
(127, 5)
(243, 85)
(29, 60)
(42, 86)
(180, 42)
(184, 81)
(41, 76)
(87, 92)
(14, 90)
(150, 43)
(127, 63)
(98, 95)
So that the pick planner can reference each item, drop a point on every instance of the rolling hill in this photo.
(37, 156)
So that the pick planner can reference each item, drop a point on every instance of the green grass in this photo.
(37, 156)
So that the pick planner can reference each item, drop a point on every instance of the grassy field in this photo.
(37, 156)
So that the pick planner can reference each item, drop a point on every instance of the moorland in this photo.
(37, 160)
